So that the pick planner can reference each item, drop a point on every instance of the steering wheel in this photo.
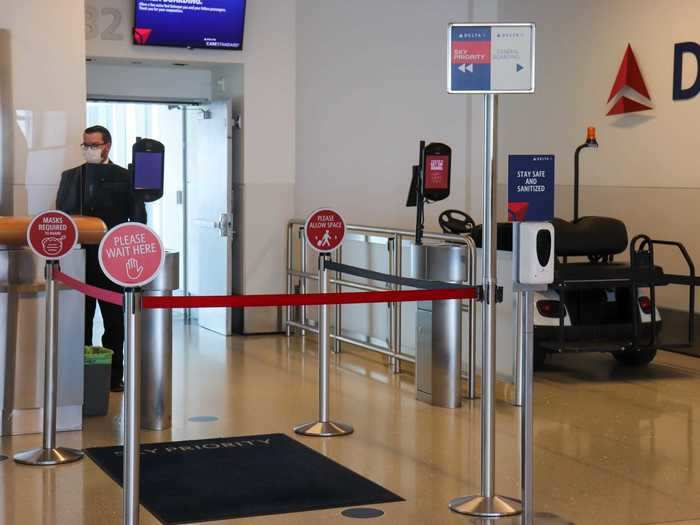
(457, 222)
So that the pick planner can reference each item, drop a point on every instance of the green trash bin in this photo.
(98, 368)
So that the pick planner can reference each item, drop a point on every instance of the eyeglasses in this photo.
(92, 147)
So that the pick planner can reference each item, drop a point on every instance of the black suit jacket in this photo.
(100, 190)
(104, 191)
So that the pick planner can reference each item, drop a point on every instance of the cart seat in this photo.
(589, 236)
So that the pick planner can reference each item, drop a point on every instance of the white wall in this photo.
(646, 169)
(147, 82)
(576, 66)
(43, 98)
(370, 85)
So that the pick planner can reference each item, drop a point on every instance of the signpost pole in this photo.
(519, 364)
(132, 405)
(526, 417)
(49, 454)
(324, 427)
(488, 504)
(131, 255)
(526, 330)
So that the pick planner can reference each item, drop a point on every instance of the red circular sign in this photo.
(325, 230)
(52, 234)
(131, 254)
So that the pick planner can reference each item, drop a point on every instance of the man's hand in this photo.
(133, 269)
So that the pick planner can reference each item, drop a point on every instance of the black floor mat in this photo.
(223, 478)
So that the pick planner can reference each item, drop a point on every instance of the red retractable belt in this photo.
(312, 299)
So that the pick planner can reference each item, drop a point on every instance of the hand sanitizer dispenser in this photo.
(534, 253)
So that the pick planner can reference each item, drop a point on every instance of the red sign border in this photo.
(70, 220)
(306, 229)
(140, 284)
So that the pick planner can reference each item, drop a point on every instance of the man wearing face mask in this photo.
(100, 188)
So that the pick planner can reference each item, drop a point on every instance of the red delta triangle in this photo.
(517, 210)
(141, 35)
(627, 105)
(629, 75)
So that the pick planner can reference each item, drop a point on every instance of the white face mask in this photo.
(93, 156)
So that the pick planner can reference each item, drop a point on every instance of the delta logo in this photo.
(629, 90)
(141, 35)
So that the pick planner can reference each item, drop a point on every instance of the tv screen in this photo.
(208, 24)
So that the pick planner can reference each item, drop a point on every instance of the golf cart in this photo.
(596, 304)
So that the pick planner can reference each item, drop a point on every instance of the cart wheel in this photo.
(635, 357)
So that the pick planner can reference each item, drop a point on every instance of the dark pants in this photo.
(112, 315)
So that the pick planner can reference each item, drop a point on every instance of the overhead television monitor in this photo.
(192, 24)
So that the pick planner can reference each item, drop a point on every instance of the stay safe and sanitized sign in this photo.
(530, 188)
(491, 58)
(131, 254)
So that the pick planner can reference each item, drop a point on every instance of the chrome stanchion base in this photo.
(495, 507)
(48, 456)
(327, 429)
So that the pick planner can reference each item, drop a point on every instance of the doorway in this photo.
(165, 123)
(194, 217)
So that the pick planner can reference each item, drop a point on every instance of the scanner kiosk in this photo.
(147, 176)
(148, 169)
(22, 311)
(438, 323)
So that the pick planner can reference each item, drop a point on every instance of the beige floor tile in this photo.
(613, 445)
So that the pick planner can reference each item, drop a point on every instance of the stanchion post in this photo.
(488, 504)
(49, 454)
(132, 405)
(324, 427)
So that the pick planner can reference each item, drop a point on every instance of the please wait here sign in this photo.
(131, 255)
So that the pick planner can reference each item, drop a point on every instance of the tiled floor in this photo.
(613, 445)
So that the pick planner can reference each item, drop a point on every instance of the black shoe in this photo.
(117, 386)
